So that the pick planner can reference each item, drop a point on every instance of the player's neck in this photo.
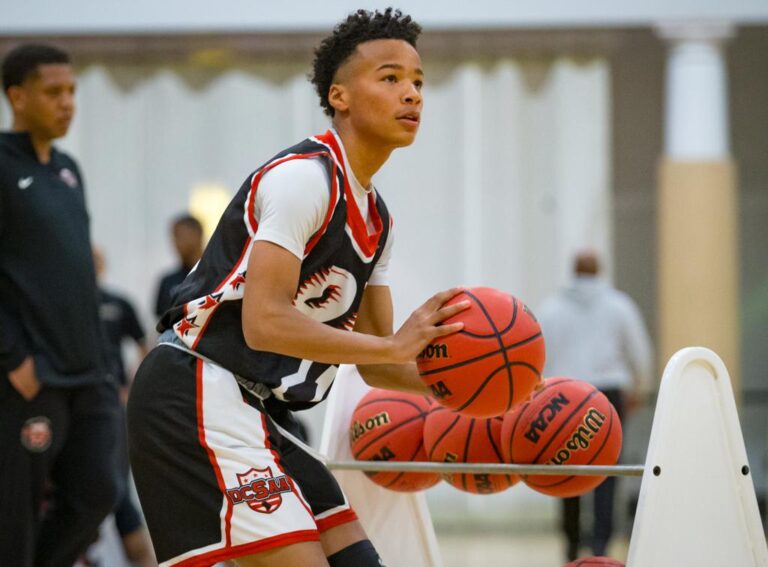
(42, 144)
(365, 156)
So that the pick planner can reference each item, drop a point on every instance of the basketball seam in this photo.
(522, 410)
(597, 454)
(496, 450)
(500, 340)
(409, 402)
(481, 357)
(399, 476)
(504, 330)
(512, 435)
(564, 423)
(479, 390)
(442, 435)
(466, 452)
(387, 432)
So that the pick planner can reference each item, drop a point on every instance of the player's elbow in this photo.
(258, 330)
(255, 337)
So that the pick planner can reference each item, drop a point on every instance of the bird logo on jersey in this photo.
(331, 293)
(261, 490)
(327, 294)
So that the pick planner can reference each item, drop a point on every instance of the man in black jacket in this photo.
(58, 405)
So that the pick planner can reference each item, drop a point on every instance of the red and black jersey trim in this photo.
(207, 313)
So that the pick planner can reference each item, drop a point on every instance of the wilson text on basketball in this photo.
(434, 351)
(581, 438)
(360, 428)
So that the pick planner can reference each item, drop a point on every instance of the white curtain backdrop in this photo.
(508, 175)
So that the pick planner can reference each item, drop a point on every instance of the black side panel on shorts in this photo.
(319, 486)
(163, 439)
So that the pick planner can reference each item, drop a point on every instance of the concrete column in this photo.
(697, 200)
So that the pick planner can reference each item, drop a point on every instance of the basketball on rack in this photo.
(450, 437)
(566, 422)
(388, 426)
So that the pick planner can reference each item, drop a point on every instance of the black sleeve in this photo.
(163, 301)
(13, 345)
(131, 326)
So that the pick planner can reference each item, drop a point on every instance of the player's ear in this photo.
(338, 97)
(16, 97)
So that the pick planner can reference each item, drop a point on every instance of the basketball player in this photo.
(257, 330)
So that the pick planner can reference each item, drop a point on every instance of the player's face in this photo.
(45, 101)
(382, 91)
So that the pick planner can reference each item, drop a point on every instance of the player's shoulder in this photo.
(293, 179)
(299, 167)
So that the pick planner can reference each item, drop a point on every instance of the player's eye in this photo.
(418, 84)
(391, 78)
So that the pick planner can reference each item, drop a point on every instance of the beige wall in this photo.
(638, 75)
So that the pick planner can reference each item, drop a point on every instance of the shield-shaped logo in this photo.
(261, 490)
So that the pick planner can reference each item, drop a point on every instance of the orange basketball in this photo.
(450, 437)
(595, 562)
(388, 426)
(567, 422)
(490, 365)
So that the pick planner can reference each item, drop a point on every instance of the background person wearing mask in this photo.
(595, 333)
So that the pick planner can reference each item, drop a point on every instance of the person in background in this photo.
(58, 403)
(596, 333)
(120, 323)
(188, 242)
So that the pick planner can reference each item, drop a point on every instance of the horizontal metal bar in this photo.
(485, 468)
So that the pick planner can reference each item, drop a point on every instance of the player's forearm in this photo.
(403, 377)
(288, 332)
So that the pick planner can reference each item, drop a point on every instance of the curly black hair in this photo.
(359, 27)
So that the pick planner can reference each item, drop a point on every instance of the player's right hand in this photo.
(425, 324)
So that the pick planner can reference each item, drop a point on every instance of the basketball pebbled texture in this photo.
(493, 363)
(566, 422)
(450, 437)
(388, 426)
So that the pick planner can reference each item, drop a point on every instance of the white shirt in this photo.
(595, 333)
(291, 203)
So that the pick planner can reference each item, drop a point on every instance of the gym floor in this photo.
(533, 549)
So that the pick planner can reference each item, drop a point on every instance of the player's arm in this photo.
(375, 318)
(271, 322)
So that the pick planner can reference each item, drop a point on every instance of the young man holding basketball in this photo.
(219, 473)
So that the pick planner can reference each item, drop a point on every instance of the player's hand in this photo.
(24, 379)
(424, 325)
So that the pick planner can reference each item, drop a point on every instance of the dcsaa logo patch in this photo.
(260, 490)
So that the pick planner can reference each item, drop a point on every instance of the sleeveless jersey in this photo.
(338, 261)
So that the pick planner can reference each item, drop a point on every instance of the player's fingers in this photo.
(443, 330)
(450, 310)
(437, 300)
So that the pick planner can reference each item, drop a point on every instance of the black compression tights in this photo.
(360, 554)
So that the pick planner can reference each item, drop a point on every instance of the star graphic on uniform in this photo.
(186, 325)
(239, 279)
(208, 303)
